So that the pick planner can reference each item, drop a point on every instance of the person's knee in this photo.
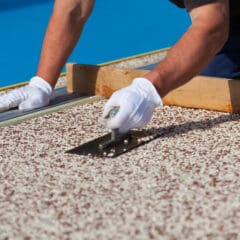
(79, 10)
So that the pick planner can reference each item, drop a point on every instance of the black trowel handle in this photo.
(112, 113)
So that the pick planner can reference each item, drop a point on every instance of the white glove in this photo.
(136, 102)
(35, 95)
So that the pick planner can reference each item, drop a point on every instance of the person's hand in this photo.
(136, 105)
(34, 95)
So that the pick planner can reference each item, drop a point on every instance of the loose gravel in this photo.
(183, 185)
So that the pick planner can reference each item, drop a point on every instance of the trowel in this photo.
(114, 143)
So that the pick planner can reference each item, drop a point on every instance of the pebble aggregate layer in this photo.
(183, 185)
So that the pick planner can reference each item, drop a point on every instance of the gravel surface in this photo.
(183, 185)
(141, 61)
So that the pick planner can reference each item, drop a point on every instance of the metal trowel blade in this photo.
(132, 139)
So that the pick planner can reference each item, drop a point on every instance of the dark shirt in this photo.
(227, 62)
(234, 5)
(178, 3)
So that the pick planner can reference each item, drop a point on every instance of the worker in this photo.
(210, 46)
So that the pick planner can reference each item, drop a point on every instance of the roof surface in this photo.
(183, 185)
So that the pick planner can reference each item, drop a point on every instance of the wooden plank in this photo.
(99, 80)
(211, 93)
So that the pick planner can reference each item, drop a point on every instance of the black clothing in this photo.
(234, 5)
(226, 63)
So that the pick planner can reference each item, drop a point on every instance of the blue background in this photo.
(116, 29)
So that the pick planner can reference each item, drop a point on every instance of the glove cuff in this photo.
(149, 90)
(42, 84)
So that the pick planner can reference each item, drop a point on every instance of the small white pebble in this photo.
(113, 150)
(110, 154)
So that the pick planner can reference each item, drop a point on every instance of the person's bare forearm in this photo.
(63, 32)
(186, 59)
(189, 56)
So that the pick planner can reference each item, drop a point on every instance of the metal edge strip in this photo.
(50, 110)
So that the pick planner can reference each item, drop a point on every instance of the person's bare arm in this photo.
(63, 32)
(204, 38)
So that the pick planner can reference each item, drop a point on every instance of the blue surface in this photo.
(115, 29)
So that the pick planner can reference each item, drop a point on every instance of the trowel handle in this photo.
(113, 112)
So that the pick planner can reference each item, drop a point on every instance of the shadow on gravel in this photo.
(178, 129)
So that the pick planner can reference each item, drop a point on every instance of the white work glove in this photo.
(136, 105)
(35, 95)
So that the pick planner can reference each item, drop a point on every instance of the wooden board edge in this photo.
(212, 93)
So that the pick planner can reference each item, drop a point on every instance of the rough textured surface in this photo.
(183, 185)
(141, 61)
